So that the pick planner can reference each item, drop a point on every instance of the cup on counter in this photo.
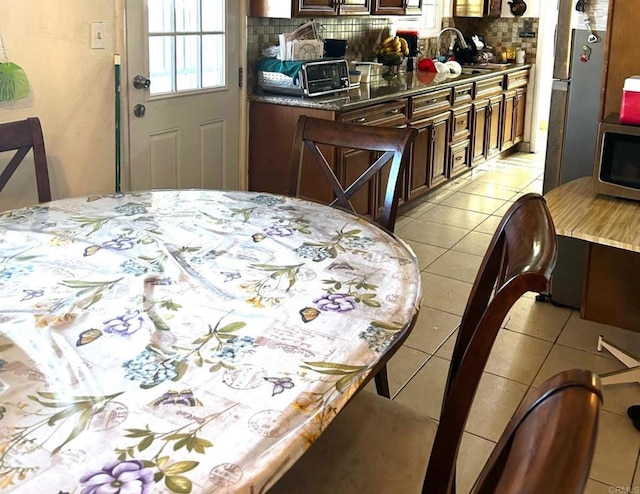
(503, 57)
(520, 56)
(511, 54)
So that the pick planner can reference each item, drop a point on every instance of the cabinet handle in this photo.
(489, 110)
(460, 122)
(359, 120)
(462, 93)
(458, 158)
(395, 111)
(432, 100)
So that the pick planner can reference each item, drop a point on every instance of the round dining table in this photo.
(186, 341)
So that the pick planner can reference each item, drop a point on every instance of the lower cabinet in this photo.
(429, 158)
(350, 165)
(494, 126)
(520, 106)
(479, 116)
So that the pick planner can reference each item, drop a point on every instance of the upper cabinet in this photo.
(329, 8)
(477, 8)
(396, 7)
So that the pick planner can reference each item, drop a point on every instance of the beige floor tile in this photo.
(431, 233)
(489, 225)
(473, 454)
(539, 319)
(475, 243)
(535, 186)
(616, 453)
(439, 195)
(454, 216)
(426, 253)
(489, 190)
(616, 398)
(424, 392)
(432, 329)
(595, 487)
(471, 202)
(517, 356)
(403, 365)
(504, 180)
(402, 220)
(495, 403)
(444, 293)
(446, 350)
(583, 335)
(508, 168)
(501, 211)
(457, 265)
(417, 210)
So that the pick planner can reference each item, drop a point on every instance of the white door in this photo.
(183, 128)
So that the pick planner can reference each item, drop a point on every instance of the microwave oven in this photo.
(314, 78)
(617, 165)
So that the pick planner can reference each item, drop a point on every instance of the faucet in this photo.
(461, 41)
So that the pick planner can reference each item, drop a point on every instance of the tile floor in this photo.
(449, 231)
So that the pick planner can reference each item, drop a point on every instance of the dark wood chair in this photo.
(393, 143)
(377, 445)
(389, 145)
(22, 136)
(549, 443)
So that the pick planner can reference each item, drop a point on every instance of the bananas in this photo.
(393, 46)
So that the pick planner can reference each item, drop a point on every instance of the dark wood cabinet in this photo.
(478, 147)
(458, 158)
(437, 161)
(477, 8)
(306, 8)
(494, 126)
(396, 7)
(520, 108)
(311, 8)
(355, 7)
(350, 165)
(508, 108)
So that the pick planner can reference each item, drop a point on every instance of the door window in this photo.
(186, 45)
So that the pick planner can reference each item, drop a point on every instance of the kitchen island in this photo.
(461, 122)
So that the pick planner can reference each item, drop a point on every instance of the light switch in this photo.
(97, 35)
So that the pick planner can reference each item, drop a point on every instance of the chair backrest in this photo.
(549, 443)
(520, 258)
(393, 143)
(23, 136)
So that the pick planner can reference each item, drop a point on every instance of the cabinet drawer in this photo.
(458, 157)
(460, 123)
(391, 114)
(462, 94)
(517, 79)
(430, 104)
(488, 87)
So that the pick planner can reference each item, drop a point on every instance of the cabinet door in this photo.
(353, 7)
(458, 158)
(494, 9)
(479, 132)
(494, 121)
(438, 163)
(520, 105)
(508, 119)
(396, 7)
(418, 175)
(305, 8)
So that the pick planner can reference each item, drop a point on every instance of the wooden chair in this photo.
(377, 445)
(393, 143)
(549, 443)
(23, 136)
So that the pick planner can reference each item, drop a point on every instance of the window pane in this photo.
(160, 14)
(161, 50)
(187, 62)
(213, 15)
(213, 62)
(187, 15)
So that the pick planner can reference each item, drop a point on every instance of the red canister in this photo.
(630, 106)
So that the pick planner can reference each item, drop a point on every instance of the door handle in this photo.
(139, 110)
(141, 82)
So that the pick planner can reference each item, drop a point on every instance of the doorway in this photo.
(181, 94)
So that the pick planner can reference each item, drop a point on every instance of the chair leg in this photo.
(630, 375)
(382, 383)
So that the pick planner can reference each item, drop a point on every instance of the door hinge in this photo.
(240, 77)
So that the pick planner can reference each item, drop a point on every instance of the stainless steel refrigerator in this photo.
(571, 142)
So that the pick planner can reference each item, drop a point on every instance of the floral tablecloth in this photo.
(185, 341)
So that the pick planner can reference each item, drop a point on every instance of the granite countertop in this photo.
(379, 90)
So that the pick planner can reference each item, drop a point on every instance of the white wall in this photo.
(72, 93)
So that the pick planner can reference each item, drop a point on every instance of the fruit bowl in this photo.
(391, 52)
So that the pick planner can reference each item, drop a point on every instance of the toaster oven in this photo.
(315, 78)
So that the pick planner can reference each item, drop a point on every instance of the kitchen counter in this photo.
(379, 90)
